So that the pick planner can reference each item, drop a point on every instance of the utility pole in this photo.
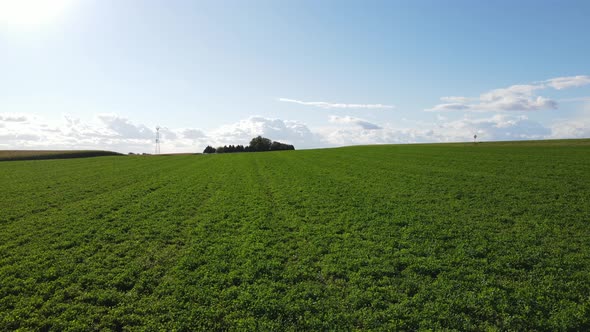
(158, 140)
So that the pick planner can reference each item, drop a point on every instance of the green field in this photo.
(10, 155)
(403, 237)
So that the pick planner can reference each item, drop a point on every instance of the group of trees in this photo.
(226, 149)
(257, 144)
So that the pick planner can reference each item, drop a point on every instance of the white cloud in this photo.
(514, 90)
(108, 132)
(19, 137)
(455, 99)
(286, 131)
(167, 134)
(387, 135)
(568, 82)
(12, 117)
(571, 129)
(116, 133)
(328, 105)
(449, 107)
(349, 120)
(192, 134)
(497, 127)
(576, 127)
(124, 128)
(514, 98)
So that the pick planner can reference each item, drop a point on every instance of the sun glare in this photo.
(31, 12)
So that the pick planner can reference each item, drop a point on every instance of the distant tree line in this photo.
(257, 144)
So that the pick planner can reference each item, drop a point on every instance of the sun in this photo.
(31, 12)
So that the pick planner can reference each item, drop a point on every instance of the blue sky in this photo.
(102, 74)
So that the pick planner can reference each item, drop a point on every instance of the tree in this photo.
(277, 146)
(209, 149)
(257, 144)
(260, 144)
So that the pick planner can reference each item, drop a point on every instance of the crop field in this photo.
(394, 237)
(9, 155)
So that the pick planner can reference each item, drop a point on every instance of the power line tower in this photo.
(158, 140)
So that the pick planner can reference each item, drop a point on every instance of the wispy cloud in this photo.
(453, 99)
(568, 82)
(521, 97)
(329, 105)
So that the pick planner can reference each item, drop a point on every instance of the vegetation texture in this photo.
(6, 155)
(456, 236)
(257, 144)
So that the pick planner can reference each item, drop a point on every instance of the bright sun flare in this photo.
(31, 12)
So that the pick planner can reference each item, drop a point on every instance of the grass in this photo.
(405, 237)
(12, 155)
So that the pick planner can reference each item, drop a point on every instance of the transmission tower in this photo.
(158, 140)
